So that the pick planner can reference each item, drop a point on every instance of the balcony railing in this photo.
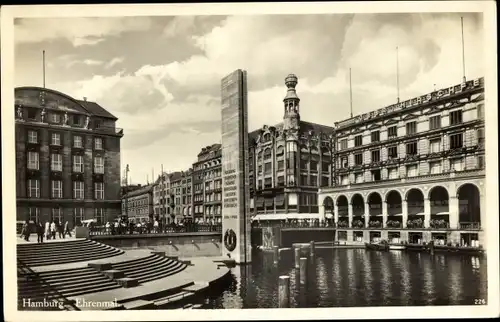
(150, 229)
(108, 129)
(470, 226)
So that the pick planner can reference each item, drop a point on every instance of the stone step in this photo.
(139, 260)
(67, 281)
(95, 289)
(53, 244)
(127, 282)
(147, 261)
(161, 275)
(148, 269)
(72, 259)
(48, 250)
(69, 271)
(138, 304)
(63, 287)
(158, 271)
(64, 252)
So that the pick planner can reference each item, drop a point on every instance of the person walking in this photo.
(53, 230)
(27, 231)
(60, 229)
(39, 232)
(23, 230)
(47, 230)
(66, 229)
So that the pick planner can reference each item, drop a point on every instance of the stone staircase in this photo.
(53, 253)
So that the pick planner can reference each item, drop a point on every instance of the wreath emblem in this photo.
(230, 240)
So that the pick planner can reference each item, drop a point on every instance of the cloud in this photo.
(79, 31)
(114, 61)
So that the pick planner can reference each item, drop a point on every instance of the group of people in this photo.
(148, 226)
(49, 231)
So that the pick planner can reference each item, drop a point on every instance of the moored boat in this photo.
(377, 246)
(397, 247)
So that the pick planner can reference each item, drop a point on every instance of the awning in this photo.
(260, 202)
(442, 214)
(329, 216)
(287, 216)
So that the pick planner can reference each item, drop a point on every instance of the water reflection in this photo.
(357, 277)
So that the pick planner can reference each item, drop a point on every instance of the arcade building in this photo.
(67, 158)
(413, 171)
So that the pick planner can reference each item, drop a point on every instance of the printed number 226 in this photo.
(479, 301)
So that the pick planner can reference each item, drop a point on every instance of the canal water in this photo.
(358, 277)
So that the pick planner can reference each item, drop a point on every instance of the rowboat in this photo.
(377, 246)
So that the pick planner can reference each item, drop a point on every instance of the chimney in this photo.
(84, 98)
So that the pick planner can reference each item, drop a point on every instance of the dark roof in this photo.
(214, 147)
(97, 109)
(316, 128)
(139, 191)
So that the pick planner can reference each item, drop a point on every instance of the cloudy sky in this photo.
(161, 75)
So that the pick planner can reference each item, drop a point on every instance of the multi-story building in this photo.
(137, 205)
(67, 158)
(413, 171)
(207, 185)
(173, 196)
(129, 188)
(288, 162)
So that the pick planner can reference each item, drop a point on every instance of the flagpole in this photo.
(463, 50)
(397, 70)
(350, 90)
(43, 65)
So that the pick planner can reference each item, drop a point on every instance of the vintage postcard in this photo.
(250, 161)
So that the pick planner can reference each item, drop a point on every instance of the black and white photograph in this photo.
(230, 158)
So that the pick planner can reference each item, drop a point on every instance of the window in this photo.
(375, 136)
(435, 122)
(99, 191)
(281, 181)
(31, 113)
(78, 163)
(260, 169)
(411, 128)
(411, 148)
(32, 137)
(411, 170)
(480, 137)
(358, 140)
(56, 162)
(343, 144)
(313, 165)
(435, 145)
(358, 159)
(78, 190)
(281, 165)
(303, 180)
(98, 143)
(456, 117)
(57, 215)
(480, 111)
(57, 189)
(77, 141)
(344, 179)
(99, 216)
(435, 167)
(480, 161)
(392, 132)
(375, 175)
(98, 165)
(77, 119)
(344, 163)
(33, 214)
(456, 164)
(375, 155)
(267, 154)
(392, 152)
(78, 216)
(268, 183)
(325, 182)
(267, 168)
(55, 139)
(456, 141)
(325, 166)
(358, 177)
(55, 118)
(314, 181)
(393, 173)
(33, 160)
(33, 188)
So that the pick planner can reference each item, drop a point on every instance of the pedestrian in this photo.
(47, 230)
(60, 229)
(53, 230)
(115, 227)
(39, 232)
(27, 231)
(66, 229)
(156, 226)
(23, 230)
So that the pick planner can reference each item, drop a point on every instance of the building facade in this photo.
(173, 196)
(289, 162)
(137, 205)
(413, 171)
(67, 158)
(207, 185)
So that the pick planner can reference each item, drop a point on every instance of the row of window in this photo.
(57, 189)
(435, 167)
(55, 139)
(411, 128)
(435, 145)
(56, 162)
(57, 215)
